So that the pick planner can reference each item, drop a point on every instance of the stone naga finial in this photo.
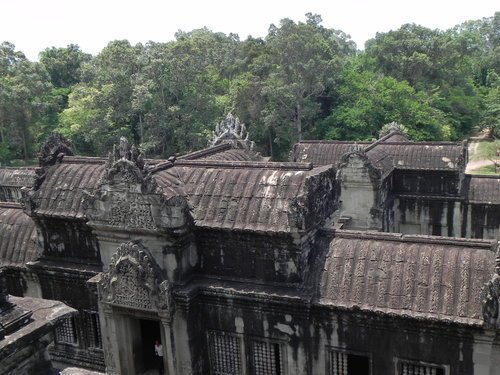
(54, 148)
(231, 130)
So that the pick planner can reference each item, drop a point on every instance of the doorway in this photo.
(150, 333)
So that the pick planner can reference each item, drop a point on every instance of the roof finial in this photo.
(231, 130)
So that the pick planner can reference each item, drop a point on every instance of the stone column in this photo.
(109, 338)
(168, 348)
(3, 302)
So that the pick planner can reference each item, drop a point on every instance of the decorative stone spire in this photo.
(356, 148)
(54, 149)
(124, 151)
(231, 130)
(393, 127)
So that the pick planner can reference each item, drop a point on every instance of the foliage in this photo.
(302, 80)
(368, 101)
(485, 150)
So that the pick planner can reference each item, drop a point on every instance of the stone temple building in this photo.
(352, 258)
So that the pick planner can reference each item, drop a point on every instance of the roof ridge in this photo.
(379, 141)
(83, 159)
(456, 241)
(244, 164)
(205, 152)
(331, 141)
(10, 205)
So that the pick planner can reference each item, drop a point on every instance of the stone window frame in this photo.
(242, 356)
(426, 366)
(91, 320)
(67, 332)
(282, 344)
(334, 349)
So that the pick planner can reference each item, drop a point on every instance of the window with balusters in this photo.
(419, 368)
(66, 332)
(93, 329)
(267, 358)
(225, 354)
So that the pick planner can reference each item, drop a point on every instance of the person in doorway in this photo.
(159, 356)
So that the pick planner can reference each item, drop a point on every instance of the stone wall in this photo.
(249, 255)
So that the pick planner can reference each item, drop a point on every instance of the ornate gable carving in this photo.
(129, 197)
(491, 297)
(134, 280)
(231, 130)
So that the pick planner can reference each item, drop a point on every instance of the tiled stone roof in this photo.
(12, 180)
(253, 196)
(432, 278)
(17, 236)
(61, 193)
(441, 156)
(483, 189)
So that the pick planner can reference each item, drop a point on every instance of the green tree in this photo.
(368, 101)
(302, 62)
(24, 97)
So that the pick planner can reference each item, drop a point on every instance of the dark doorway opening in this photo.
(358, 364)
(150, 333)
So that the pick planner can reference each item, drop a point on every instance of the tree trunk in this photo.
(141, 129)
(298, 121)
(270, 138)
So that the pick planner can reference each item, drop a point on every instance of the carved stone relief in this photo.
(231, 129)
(129, 197)
(491, 297)
(134, 280)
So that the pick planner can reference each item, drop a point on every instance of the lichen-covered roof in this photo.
(61, 193)
(17, 176)
(483, 189)
(321, 152)
(252, 196)
(12, 180)
(441, 156)
(17, 236)
(421, 277)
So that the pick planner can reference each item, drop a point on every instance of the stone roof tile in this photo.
(484, 189)
(421, 277)
(62, 191)
(17, 236)
(403, 155)
(252, 196)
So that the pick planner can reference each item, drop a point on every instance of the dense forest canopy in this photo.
(301, 81)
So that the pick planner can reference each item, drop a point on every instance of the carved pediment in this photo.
(491, 297)
(231, 130)
(135, 280)
(128, 196)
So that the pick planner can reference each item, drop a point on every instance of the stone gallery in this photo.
(352, 258)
